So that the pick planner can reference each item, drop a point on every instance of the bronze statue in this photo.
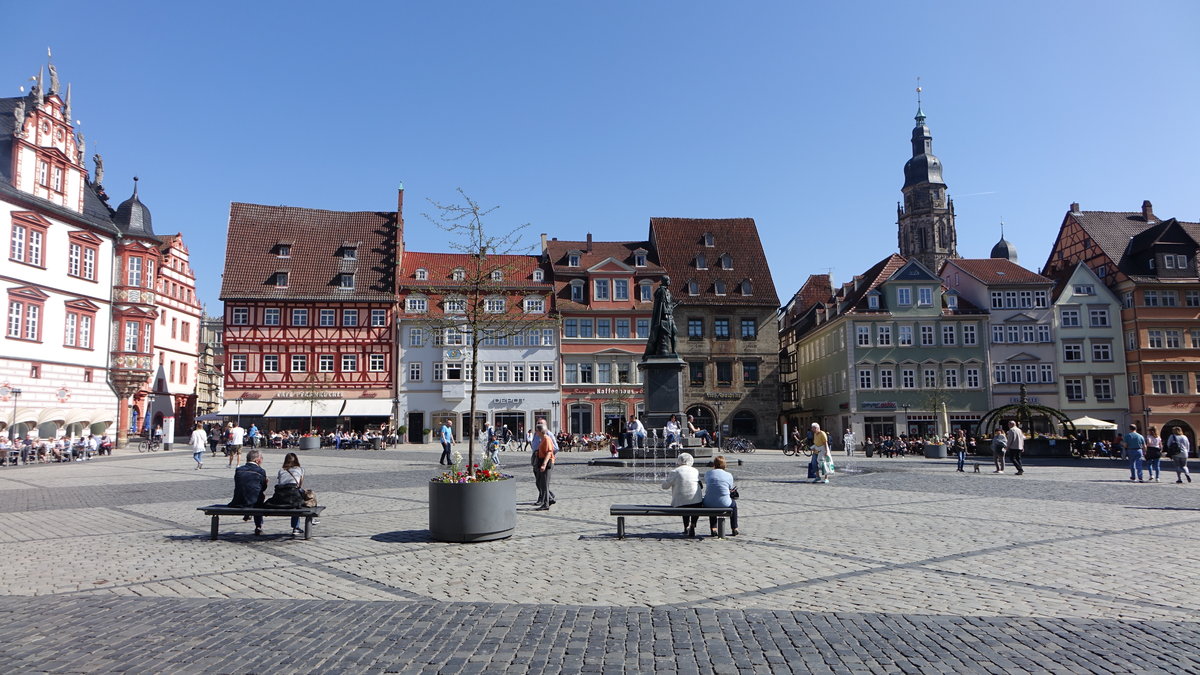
(661, 341)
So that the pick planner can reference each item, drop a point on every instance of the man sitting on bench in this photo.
(250, 486)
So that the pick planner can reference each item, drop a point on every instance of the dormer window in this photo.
(538, 275)
(349, 252)
(747, 287)
(639, 258)
(952, 301)
(283, 250)
(1173, 262)
(416, 304)
(1151, 261)
(458, 274)
(701, 262)
(709, 240)
(693, 287)
(573, 259)
(873, 300)
(456, 305)
(497, 275)
(281, 280)
(346, 282)
(421, 274)
(535, 305)
(726, 261)
(719, 287)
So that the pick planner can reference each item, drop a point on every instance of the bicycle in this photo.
(148, 445)
(796, 450)
(737, 444)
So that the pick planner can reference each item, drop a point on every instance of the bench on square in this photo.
(218, 510)
(622, 511)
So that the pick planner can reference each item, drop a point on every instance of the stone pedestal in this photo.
(662, 379)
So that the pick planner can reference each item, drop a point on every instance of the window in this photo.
(1046, 371)
(349, 317)
(78, 328)
(414, 372)
(1043, 332)
(950, 376)
(604, 372)
(1074, 388)
(416, 337)
(883, 336)
(1000, 374)
(547, 337)
(349, 363)
(585, 373)
(421, 274)
(280, 280)
(1098, 318)
(535, 305)
(1027, 334)
(133, 269)
(693, 287)
(997, 300)
(415, 304)
(701, 262)
(439, 370)
(746, 287)
(458, 274)
(905, 338)
(908, 378)
(1084, 289)
(930, 378)
(1072, 352)
(27, 242)
(379, 317)
(1026, 299)
(645, 291)
(749, 372)
(494, 305)
(573, 260)
(749, 329)
(375, 363)
(924, 296)
(948, 335)
(639, 258)
(325, 363)
(271, 316)
(1101, 352)
(270, 363)
(346, 281)
(643, 328)
(620, 289)
(886, 378)
(968, 334)
(1150, 298)
(1170, 299)
(1127, 299)
(1178, 383)
(622, 328)
(708, 240)
(1131, 340)
(571, 373)
(1102, 388)
(299, 317)
(603, 328)
(904, 296)
(864, 335)
(724, 373)
(600, 289)
(1195, 339)
(577, 291)
(239, 316)
(237, 362)
(1010, 300)
(1154, 339)
(927, 336)
(873, 301)
(24, 320)
(1070, 318)
(1192, 298)
(864, 378)
(81, 259)
(1135, 386)
(695, 328)
(571, 328)
(1158, 384)
(497, 275)
(327, 317)
(1173, 341)
(719, 287)
(455, 305)
(721, 329)
(972, 378)
(299, 363)
(951, 300)
(585, 328)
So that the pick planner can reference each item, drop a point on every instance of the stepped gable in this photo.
(315, 239)
(678, 241)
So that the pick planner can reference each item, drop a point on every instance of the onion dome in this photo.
(132, 216)
(1003, 249)
(924, 167)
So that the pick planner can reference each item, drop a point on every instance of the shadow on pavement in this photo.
(402, 537)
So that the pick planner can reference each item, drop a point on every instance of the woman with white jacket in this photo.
(686, 490)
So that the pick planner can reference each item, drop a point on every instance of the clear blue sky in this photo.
(594, 117)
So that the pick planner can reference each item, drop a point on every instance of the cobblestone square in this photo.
(897, 566)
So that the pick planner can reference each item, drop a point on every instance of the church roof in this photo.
(314, 238)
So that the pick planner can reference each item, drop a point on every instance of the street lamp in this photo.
(239, 411)
(1145, 419)
(906, 407)
(15, 393)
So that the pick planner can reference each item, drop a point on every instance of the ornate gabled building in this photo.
(79, 279)
(926, 217)
(309, 325)
(1150, 264)
(726, 318)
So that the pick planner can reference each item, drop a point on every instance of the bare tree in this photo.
(487, 290)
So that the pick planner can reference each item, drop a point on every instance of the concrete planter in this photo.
(935, 451)
(310, 443)
(470, 512)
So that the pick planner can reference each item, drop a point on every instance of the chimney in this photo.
(543, 242)
(589, 242)
(1148, 211)
(1074, 207)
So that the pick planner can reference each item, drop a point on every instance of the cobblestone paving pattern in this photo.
(896, 566)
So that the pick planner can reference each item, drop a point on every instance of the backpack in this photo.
(1172, 446)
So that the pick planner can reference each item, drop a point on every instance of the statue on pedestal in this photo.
(661, 341)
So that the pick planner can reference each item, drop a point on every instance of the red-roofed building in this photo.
(604, 292)
(728, 330)
(517, 354)
(309, 331)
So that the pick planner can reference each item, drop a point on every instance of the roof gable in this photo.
(913, 271)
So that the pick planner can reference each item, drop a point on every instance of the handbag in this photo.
(310, 498)
(733, 494)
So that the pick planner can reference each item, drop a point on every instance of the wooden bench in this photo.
(621, 511)
(218, 510)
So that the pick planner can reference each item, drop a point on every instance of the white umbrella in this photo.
(1086, 423)
(945, 419)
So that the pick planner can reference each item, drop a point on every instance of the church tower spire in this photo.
(926, 217)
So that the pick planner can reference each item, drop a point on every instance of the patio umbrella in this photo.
(1086, 423)
(210, 417)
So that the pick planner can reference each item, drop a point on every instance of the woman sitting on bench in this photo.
(684, 484)
(718, 489)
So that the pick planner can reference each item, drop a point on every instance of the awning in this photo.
(101, 416)
(367, 407)
(52, 415)
(23, 416)
(77, 416)
(293, 408)
(255, 407)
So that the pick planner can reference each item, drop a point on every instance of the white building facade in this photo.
(1091, 358)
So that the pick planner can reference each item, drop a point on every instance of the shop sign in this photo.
(507, 401)
(721, 396)
(877, 405)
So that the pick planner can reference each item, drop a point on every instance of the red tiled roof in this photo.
(998, 272)
(316, 238)
(817, 288)
(517, 270)
(678, 241)
(595, 252)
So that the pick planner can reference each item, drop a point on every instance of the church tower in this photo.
(926, 217)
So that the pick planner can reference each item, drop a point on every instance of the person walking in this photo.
(237, 435)
(1153, 455)
(198, 441)
(999, 447)
(821, 452)
(1016, 445)
(446, 435)
(544, 448)
(959, 443)
(526, 439)
(1178, 447)
(848, 442)
(214, 438)
(1135, 452)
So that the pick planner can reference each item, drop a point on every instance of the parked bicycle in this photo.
(737, 444)
(144, 444)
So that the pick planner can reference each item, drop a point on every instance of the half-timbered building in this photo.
(309, 326)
